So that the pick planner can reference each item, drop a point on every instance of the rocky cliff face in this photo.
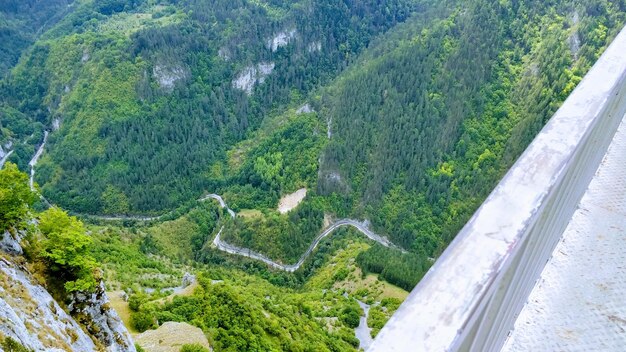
(94, 312)
(31, 316)
(10, 244)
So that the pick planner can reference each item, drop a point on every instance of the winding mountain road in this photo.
(247, 252)
(5, 157)
(217, 241)
(220, 200)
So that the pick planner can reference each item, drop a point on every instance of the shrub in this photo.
(15, 196)
(11, 345)
(188, 347)
(135, 301)
(141, 321)
(67, 250)
(351, 317)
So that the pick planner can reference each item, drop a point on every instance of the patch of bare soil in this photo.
(290, 201)
(170, 337)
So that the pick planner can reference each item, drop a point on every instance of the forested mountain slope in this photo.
(403, 113)
(421, 132)
(152, 104)
(147, 96)
(22, 22)
(421, 127)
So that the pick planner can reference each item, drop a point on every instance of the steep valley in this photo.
(268, 175)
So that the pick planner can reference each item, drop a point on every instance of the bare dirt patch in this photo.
(170, 337)
(290, 201)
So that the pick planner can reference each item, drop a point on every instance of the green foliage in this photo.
(422, 124)
(21, 22)
(15, 196)
(119, 253)
(422, 133)
(284, 237)
(251, 315)
(136, 300)
(142, 321)
(10, 345)
(150, 141)
(148, 245)
(268, 167)
(114, 201)
(380, 314)
(67, 250)
(341, 274)
(351, 315)
(284, 161)
(376, 319)
(193, 348)
(401, 269)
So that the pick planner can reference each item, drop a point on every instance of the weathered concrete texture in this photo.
(578, 304)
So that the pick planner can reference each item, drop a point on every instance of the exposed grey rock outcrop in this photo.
(188, 279)
(29, 315)
(305, 109)
(574, 39)
(168, 75)
(281, 39)
(251, 75)
(224, 54)
(314, 46)
(94, 312)
(11, 244)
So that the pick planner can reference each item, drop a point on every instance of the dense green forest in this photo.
(419, 134)
(146, 93)
(404, 129)
(22, 22)
(422, 131)
(405, 113)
